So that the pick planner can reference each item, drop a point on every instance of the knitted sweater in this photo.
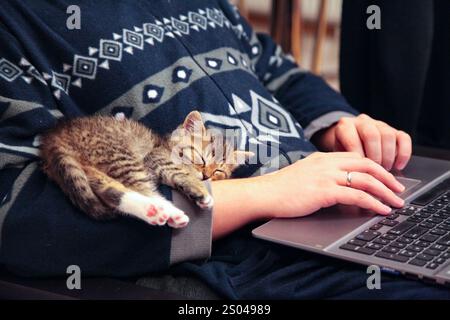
(155, 61)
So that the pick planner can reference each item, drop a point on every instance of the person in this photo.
(155, 61)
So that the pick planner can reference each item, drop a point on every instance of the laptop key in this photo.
(388, 237)
(439, 260)
(398, 245)
(427, 225)
(401, 228)
(414, 248)
(407, 211)
(416, 232)
(422, 244)
(368, 235)
(422, 215)
(376, 226)
(357, 242)
(445, 241)
(439, 247)
(446, 255)
(381, 241)
(393, 216)
(434, 220)
(407, 253)
(405, 240)
(415, 220)
(438, 232)
(429, 210)
(391, 256)
(391, 250)
(429, 238)
(374, 246)
(440, 215)
(418, 262)
(358, 249)
(432, 265)
(389, 223)
(432, 252)
(425, 257)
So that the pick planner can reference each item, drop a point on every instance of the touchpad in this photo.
(317, 230)
(409, 185)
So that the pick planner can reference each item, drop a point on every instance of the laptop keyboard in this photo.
(418, 234)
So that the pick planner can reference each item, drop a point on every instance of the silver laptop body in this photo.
(327, 230)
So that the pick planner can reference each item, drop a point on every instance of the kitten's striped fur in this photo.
(110, 166)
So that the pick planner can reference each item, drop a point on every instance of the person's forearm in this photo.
(237, 203)
(304, 187)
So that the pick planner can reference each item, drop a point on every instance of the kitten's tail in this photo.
(70, 176)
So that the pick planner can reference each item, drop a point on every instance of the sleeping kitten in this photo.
(112, 165)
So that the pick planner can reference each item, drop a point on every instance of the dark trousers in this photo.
(242, 267)
(401, 73)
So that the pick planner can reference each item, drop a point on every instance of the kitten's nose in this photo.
(205, 176)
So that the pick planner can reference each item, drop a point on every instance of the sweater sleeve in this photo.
(41, 232)
(313, 103)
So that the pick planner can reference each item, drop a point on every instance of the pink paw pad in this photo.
(152, 211)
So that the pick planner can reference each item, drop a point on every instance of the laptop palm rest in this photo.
(315, 231)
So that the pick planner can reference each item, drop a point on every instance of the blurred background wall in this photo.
(259, 13)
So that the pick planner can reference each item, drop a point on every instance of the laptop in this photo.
(413, 241)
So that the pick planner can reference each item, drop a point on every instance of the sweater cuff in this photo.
(324, 121)
(194, 241)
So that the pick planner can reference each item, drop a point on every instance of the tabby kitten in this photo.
(110, 166)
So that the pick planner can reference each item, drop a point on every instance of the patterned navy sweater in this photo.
(154, 60)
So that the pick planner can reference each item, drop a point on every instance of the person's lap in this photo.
(242, 267)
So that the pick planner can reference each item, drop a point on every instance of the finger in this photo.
(347, 136)
(371, 139)
(404, 150)
(374, 169)
(355, 197)
(388, 145)
(369, 184)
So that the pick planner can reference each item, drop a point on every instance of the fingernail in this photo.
(400, 187)
(401, 202)
(386, 209)
(401, 166)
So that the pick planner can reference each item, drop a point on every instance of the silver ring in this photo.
(349, 179)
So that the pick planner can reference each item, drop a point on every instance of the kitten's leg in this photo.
(68, 173)
(148, 190)
(178, 176)
(152, 208)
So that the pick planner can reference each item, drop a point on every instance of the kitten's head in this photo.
(212, 156)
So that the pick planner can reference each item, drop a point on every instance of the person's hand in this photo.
(368, 137)
(320, 180)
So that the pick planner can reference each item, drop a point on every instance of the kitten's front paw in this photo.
(178, 221)
(206, 202)
(163, 212)
(153, 210)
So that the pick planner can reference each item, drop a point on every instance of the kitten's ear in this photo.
(240, 157)
(194, 122)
